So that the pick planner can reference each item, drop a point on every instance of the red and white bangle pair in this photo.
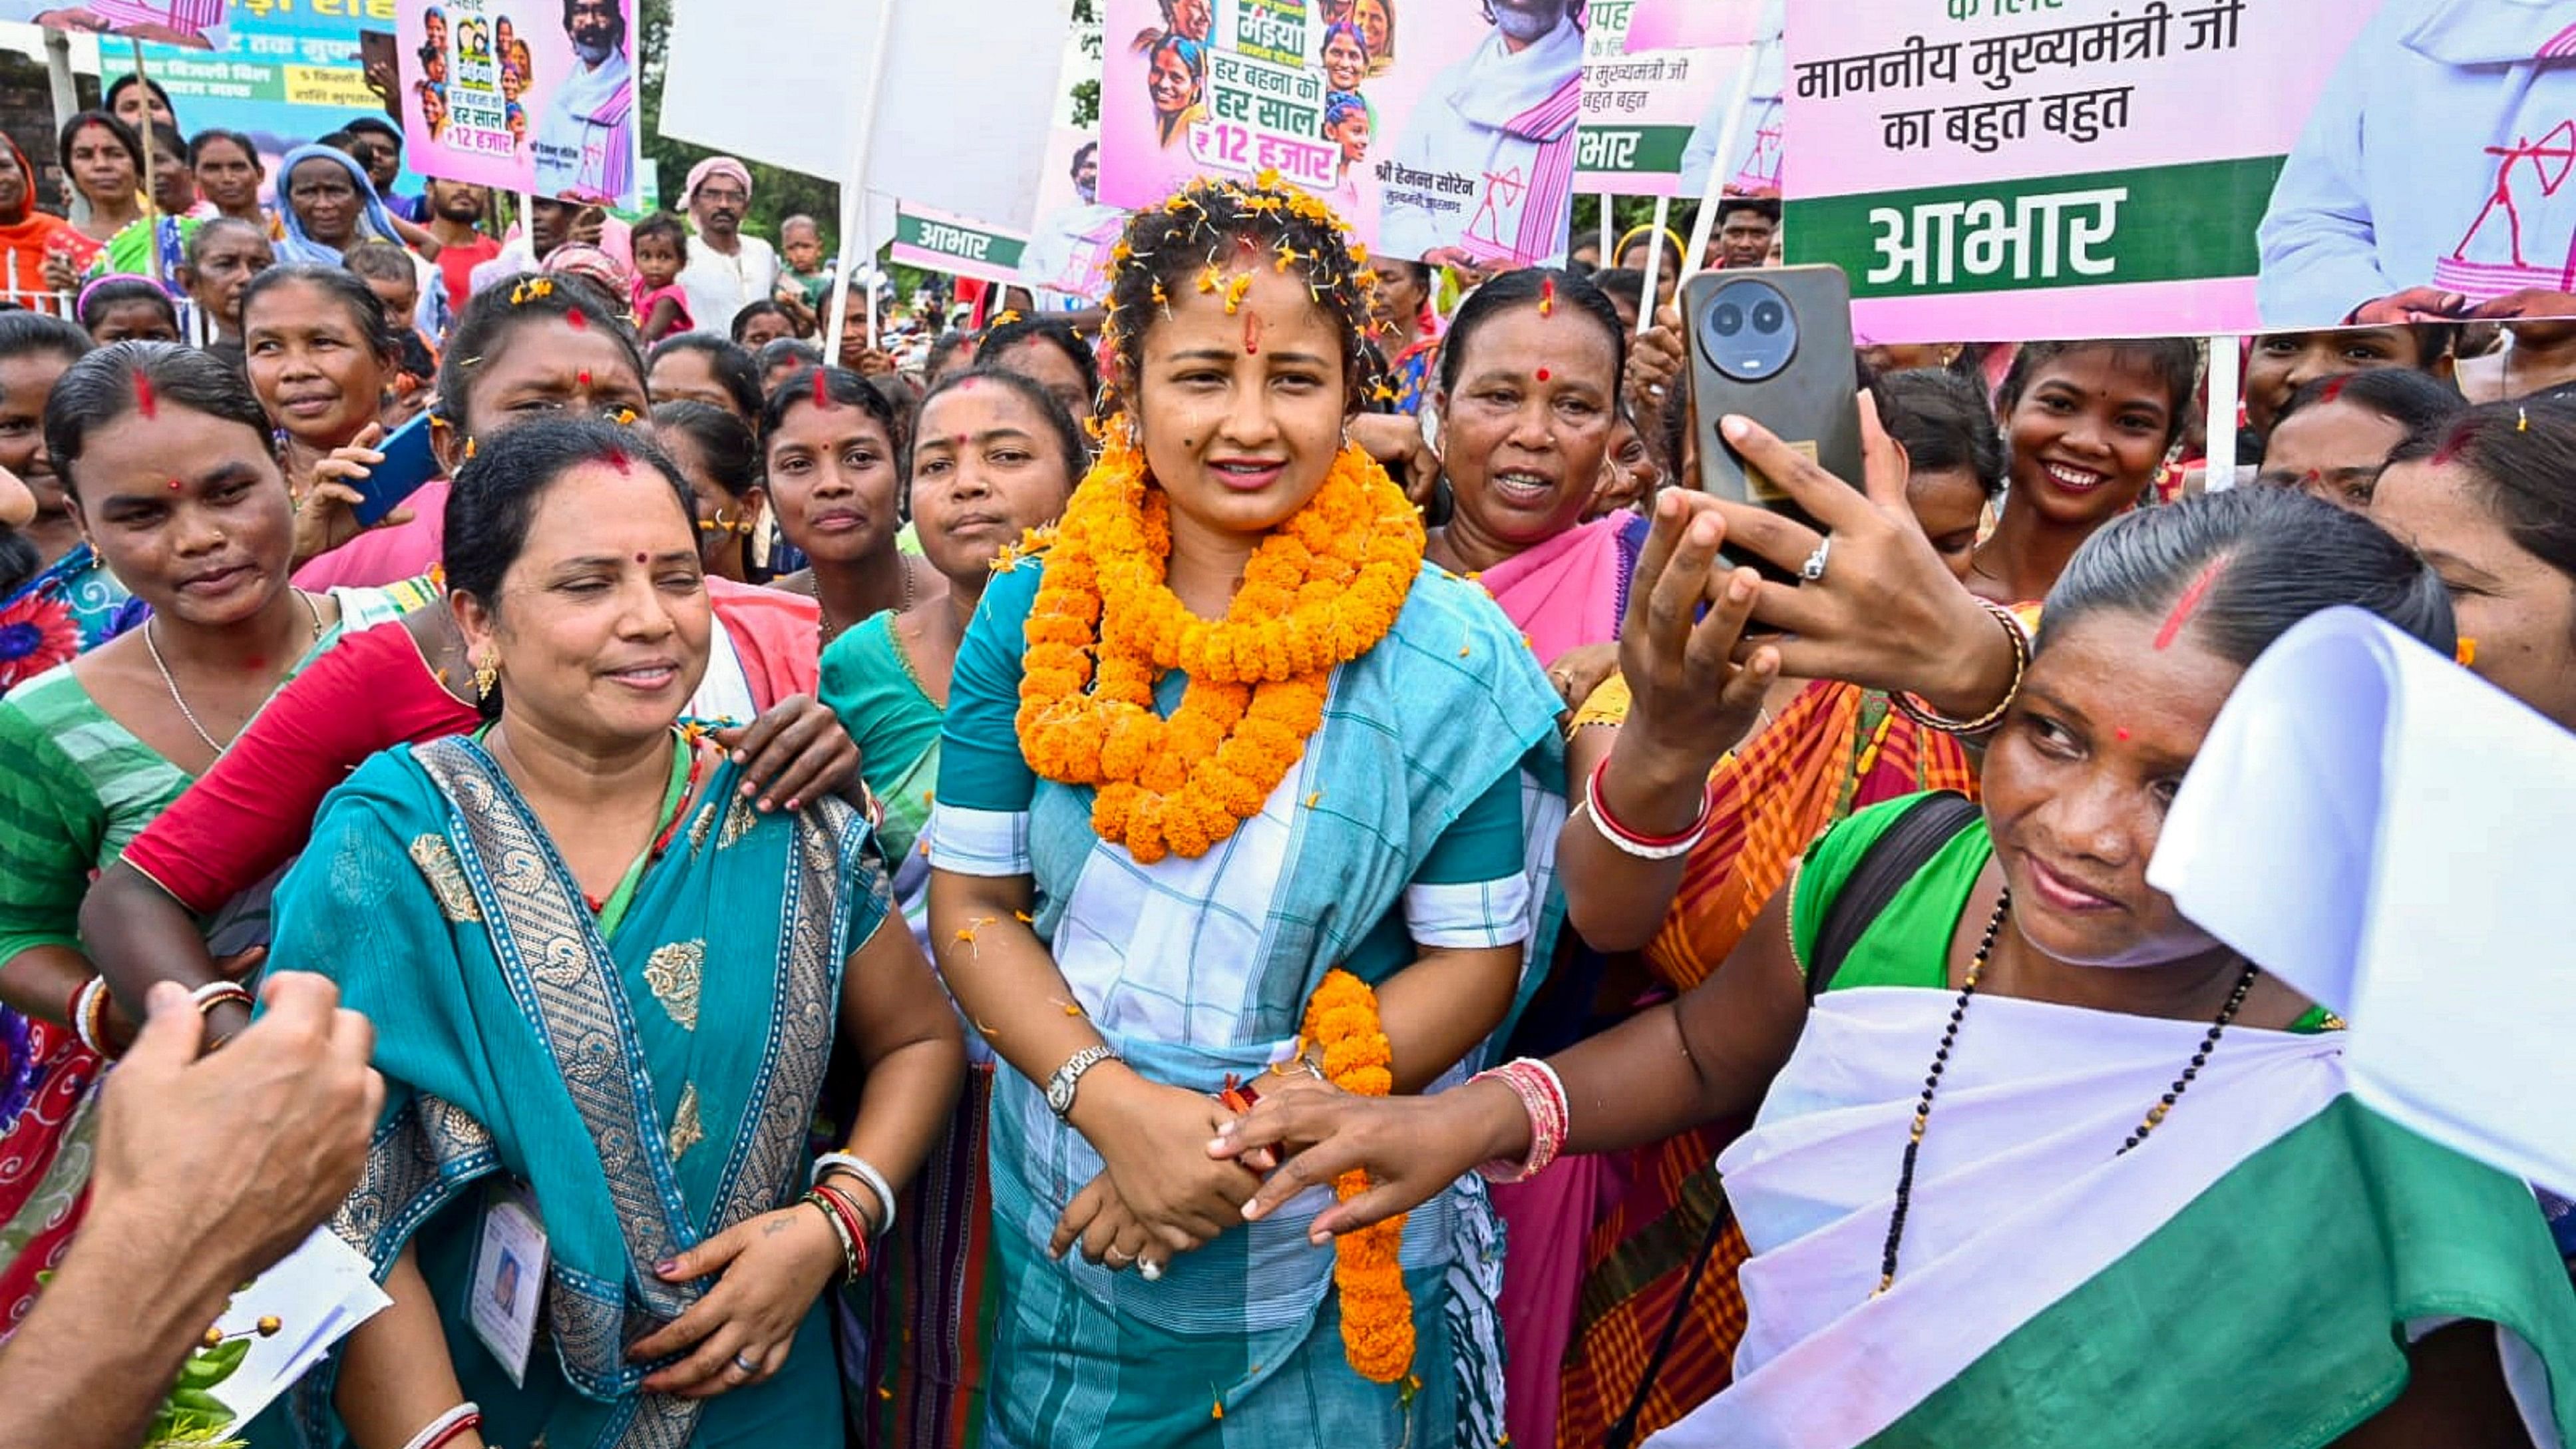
(1543, 1097)
(89, 1017)
(447, 1428)
(1637, 842)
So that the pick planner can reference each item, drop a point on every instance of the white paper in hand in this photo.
(2381, 829)
(317, 1294)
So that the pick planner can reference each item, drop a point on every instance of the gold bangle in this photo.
(1923, 714)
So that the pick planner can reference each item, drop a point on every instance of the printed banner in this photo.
(1642, 109)
(195, 24)
(2107, 168)
(292, 73)
(546, 107)
(1440, 131)
(939, 242)
(1693, 24)
(1068, 258)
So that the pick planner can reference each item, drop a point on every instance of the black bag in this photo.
(1897, 856)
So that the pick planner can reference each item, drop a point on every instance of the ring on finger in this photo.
(745, 1365)
(1116, 1261)
(1813, 569)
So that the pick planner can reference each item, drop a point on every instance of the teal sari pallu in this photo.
(652, 1086)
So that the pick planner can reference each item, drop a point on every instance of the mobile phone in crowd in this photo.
(409, 463)
(1774, 345)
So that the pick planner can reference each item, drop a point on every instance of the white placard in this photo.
(780, 84)
(2382, 829)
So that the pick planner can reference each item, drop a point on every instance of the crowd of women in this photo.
(1120, 922)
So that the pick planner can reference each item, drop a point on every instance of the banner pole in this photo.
(854, 177)
(2226, 369)
(1646, 307)
(151, 199)
(1609, 233)
(1704, 225)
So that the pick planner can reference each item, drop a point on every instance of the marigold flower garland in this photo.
(1321, 590)
(1377, 1310)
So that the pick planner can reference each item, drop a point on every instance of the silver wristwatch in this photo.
(1060, 1086)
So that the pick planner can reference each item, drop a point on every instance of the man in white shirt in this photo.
(727, 271)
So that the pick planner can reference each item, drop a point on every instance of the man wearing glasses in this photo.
(727, 270)
(586, 142)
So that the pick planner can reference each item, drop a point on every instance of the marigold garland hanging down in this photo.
(1377, 1311)
(1320, 591)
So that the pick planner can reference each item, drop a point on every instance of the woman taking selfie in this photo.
(2013, 1108)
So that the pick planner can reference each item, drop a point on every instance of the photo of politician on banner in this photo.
(541, 100)
(2104, 168)
(1438, 129)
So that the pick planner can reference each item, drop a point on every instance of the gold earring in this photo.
(487, 677)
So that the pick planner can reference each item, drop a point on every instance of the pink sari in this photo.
(1572, 589)
(1564, 594)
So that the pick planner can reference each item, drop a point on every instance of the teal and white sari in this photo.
(1407, 824)
(649, 1079)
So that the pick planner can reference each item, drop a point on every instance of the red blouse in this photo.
(253, 811)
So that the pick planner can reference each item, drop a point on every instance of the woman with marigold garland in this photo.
(1231, 786)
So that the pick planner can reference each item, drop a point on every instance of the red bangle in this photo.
(455, 1429)
(1601, 816)
(851, 1219)
(72, 1008)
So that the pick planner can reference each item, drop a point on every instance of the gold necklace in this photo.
(831, 631)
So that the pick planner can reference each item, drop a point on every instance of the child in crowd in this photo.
(661, 251)
(806, 277)
(388, 272)
(125, 309)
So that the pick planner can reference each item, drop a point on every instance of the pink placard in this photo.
(523, 95)
(1689, 24)
(1430, 130)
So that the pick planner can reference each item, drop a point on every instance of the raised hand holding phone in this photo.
(362, 486)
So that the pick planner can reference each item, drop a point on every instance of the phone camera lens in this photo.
(1728, 319)
(1767, 316)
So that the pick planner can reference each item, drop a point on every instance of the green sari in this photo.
(652, 1086)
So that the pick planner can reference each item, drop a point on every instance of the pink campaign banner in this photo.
(1689, 24)
(523, 95)
(1995, 170)
(1435, 128)
(197, 24)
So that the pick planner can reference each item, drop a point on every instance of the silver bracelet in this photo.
(866, 1173)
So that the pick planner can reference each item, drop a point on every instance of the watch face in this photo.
(1059, 1095)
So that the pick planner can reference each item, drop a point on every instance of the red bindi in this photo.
(2122, 733)
(584, 376)
(640, 558)
(1252, 334)
(174, 485)
(144, 402)
(1544, 374)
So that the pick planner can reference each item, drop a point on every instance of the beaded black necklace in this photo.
(1941, 1061)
